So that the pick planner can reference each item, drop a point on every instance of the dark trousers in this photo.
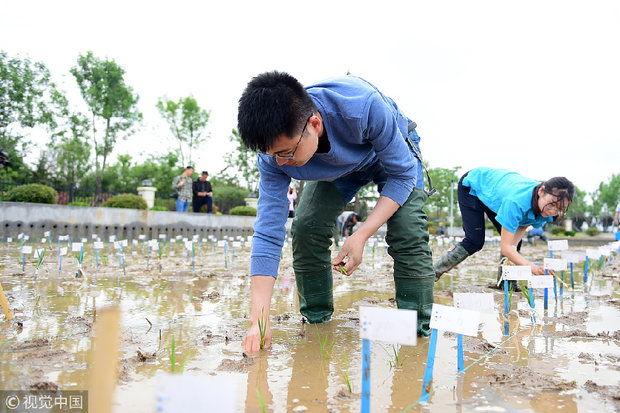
(472, 211)
(199, 201)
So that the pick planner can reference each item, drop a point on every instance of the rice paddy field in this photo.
(197, 296)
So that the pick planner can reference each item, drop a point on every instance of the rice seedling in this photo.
(260, 400)
(39, 262)
(526, 291)
(262, 328)
(172, 354)
(345, 372)
(396, 361)
(325, 351)
(343, 269)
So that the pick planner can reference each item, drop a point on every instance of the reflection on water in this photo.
(538, 368)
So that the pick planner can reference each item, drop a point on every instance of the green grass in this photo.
(262, 328)
(172, 354)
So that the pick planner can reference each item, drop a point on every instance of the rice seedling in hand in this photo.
(262, 328)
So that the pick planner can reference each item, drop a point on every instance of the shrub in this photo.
(569, 233)
(592, 231)
(159, 208)
(129, 201)
(556, 230)
(243, 210)
(78, 203)
(168, 203)
(37, 193)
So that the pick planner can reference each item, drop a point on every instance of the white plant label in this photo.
(605, 251)
(93, 236)
(179, 236)
(574, 257)
(221, 243)
(141, 236)
(84, 240)
(124, 243)
(555, 264)
(116, 245)
(593, 254)
(204, 240)
(389, 325)
(43, 240)
(9, 239)
(162, 236)
(76, 246)
(63, 251)
(38, 252)
(63, 238)
(540, 281)
(20, 235)
(98, 245)
(134, 242)
(188, 245)
(27, 249)
(26, 237)
(236, 244)
(456, 320)
(482, 302)
(46, 234)
(111, 238)
(516, 272)
(558, 245)
(250, 239)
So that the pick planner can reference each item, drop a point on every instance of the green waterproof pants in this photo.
(320, 205)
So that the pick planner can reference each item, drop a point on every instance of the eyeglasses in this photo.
(292, 154)
(556, 208)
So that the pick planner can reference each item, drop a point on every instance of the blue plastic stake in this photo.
(459, 353)
(572, 277)
(585, 272)
(430, 361)
(365, 376)
(59, 264)
(148, 254)
(562, 285)
(97, 257)
(555, 287)
(23, 262)
(546, 302)
(506, 307)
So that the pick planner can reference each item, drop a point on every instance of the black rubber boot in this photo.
(414, 277)
(318, 209)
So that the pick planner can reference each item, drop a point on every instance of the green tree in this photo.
(605, 199)
(241, 167)
(112, 103)
(73, 150)
(579, 208)
(187, 122)
(28, 98)
(443, 179)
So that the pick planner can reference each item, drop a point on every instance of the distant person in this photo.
(512, 202)
(292, 196)
(534, 234)
(203, 193)
(349, 224)
(183, 185)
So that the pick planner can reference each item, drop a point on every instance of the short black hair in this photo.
(205, 173)
(273, 104)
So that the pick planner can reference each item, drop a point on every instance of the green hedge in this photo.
(159, 208)
(243, 210)
(556, 230)
(592, 231)
(37, 193)
(128, 201)
(78, 203)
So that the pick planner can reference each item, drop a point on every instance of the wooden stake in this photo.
(103, 371)
(5, 305)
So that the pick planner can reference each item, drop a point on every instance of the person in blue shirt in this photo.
(340, 135)
(512, 202)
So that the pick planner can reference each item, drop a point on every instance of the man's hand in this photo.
(181, 183)
(251, 342)
(262, 290)
(350, 256)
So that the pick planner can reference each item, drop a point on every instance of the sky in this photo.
(530, 86)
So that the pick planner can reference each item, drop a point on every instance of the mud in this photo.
(568, 361)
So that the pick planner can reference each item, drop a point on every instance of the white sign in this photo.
(141, 236)
(84, 240)
(188, 245)
(76, 246)
(236, 244)
(605, 251)
(98, 245)
(558, 245)
(555, 264)
(63, 238)
(46, 234)
(9, 239)
(27, 249)
(389, 325)
(93, 236)
(111, 238)
(574, 257)
(43, 240)
(516, 272)
(134, 242)
(63, 250)
(179, 236)
(221, 243)
(38, 252)
(593, 254)
(482, 302)
(26, 237)
(20, 235)
(540, 281)
(162, 236)
(456, 320)
(116, 245)
(124, 243)
(154, 243)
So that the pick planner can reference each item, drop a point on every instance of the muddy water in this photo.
(568, 361)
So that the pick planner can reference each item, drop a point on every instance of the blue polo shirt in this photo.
(362, 125)
(506, 193)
